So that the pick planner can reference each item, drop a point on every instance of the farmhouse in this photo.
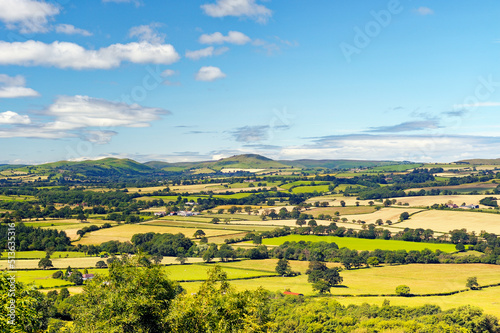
(469, 206)
(86, 277)
(160, 214)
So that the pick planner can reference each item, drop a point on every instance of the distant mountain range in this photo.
(124, 167)
(115, 166)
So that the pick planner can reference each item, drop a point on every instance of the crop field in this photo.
(334, 200)
(199, 272)
(385, 214)
(429, 200)
(361, 244)
(203, 226)
(310, 189)
(304, 183)
(60, 263)
(343, 187)
(124, 233)
(444, 221)
(486, 299)
(168, 198)
(41, 254)
(462, 188)
(233, 196)
(348, 210)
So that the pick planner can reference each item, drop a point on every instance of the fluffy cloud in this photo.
(238, 8)
(70, 55)
(206, 52)
(147, 33)
(445, 148)
(10, 118)
(424, 11)
(91, 119)
(209, 73)
(73, 112)
(233, 37)
(69, 29)
(27, 15)
(14, 87)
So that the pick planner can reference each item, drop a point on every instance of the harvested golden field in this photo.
(462, 187)
(349, 210)
(385, 214)
(124, 233)
(59, 263)
(444, 221)
(429, 200)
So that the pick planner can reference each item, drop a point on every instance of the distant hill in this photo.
(337, 164)
(480, 161)
(94, 168)
(10, 166)
(127, 167)
(246, 161)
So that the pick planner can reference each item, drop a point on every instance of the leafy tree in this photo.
(217, 307)
(199, 233)
(283, 267)
(300, 222)
(404, 216)
(101, 264)
(57, 275)
(29, 312)
(342, 203)
(129, 299)
(472, 283)
(76, 277)
(323, 277)
(157, 258)
(45, 263)
(215, 220)
(210, 252)
(372, 261)
(403, 290)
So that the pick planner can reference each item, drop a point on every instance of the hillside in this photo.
(481, 161)
(337, 164)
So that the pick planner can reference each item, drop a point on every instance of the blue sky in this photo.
(200, 80)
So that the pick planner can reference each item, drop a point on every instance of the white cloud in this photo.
(69, 29)
(168, 72)
(147, 33)
(70, 55)
(475, 105)
(73, 112)
(91, 119)
(424, 11)
(9, 117)
(206, 52)
(238, 8)
(14, 87)
(27, 15)
(209, 73)
(233, 37)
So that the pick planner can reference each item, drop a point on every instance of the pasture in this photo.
(41, 254)
(310, 189)
(444, 221)
(124, 233)
(361, 244)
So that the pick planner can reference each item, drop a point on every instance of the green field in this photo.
(361, 244)
(310, 189)
(233, 196)
(299, 183)
(17, 198)
(41, 254)
(199, 271)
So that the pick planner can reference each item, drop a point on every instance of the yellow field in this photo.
(71, 229)
(57, 262)
(124, 233)
(445, 221)
(487, 299)
(384, 214)
(424, 201)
